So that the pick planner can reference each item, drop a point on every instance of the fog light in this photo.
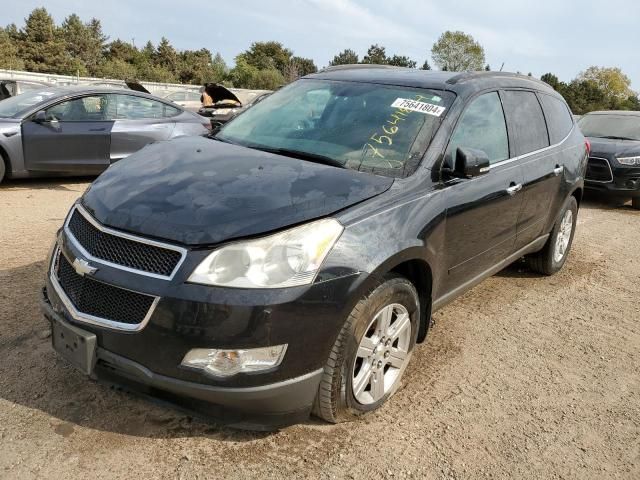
(225, 363)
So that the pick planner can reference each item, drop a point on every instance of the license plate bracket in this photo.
(77, 346)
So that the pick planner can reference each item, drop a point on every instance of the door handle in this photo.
(513, 189)
(97, 129)
(558, 170)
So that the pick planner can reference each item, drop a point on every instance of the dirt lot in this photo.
(524, 377)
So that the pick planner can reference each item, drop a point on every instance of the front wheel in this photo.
(2, 169)
(371, 353)
(635, 203)
(554, 254)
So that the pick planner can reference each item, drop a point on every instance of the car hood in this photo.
(219, 92)
(198, 191)
(9, 126)
(607, 147)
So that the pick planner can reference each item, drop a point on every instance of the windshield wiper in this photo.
(615, 137)
(302, 155)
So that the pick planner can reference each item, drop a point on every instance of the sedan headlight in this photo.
(630, 161)
(289, 258)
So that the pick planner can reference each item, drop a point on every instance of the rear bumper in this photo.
(265, 407)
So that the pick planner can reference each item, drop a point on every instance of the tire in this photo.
(635, 203)
(2, 169)
(336, 400)
(554, 254)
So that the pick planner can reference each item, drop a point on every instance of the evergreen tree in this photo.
(376, 55)
(346, 57)
(401, 61)
(85, 43)
(9, 58)
(42, 46)
(166, 56)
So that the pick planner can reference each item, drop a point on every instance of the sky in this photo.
(559, 36)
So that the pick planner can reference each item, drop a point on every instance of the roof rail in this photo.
(355, 66)
(464, 76)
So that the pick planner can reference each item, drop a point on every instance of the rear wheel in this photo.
(371, 353)
(554, 254)
(635, 203)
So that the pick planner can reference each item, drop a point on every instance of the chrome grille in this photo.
(119, 249)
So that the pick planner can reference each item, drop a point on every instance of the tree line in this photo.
(82, 48)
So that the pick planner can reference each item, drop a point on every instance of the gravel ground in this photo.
(523, 377)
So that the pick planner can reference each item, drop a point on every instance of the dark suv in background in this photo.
(614, 163)
(291, 262)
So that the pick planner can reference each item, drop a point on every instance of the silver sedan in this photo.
(81, 131)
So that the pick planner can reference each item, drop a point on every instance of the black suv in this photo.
(614, 162)
(290, 263)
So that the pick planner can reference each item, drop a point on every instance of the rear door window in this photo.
(527, 126)
(481, 127)
(559, 119)
(132, 107)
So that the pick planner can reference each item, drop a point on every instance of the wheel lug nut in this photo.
(379, 363)
(386, 354)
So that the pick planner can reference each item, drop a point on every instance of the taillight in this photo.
(588, 145)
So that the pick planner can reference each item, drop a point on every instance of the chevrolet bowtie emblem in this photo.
(83, 267)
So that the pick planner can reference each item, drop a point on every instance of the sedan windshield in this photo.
(624, 127)
(18, 104)
(362, 126)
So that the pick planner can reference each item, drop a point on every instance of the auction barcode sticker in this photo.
(416, 106)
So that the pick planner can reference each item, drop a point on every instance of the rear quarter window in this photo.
(559, 119)
(170, 111)
(526, 123)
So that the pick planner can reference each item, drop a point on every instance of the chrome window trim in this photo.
(91, 319)
(116, 233)
(610, 171)
(535, 152)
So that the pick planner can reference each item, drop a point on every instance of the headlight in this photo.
(630, 161)
(286, 259)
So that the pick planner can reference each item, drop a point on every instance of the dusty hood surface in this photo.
(198, 191)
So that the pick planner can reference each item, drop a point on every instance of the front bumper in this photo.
(625, 181)
(258, 408)
(189, 316)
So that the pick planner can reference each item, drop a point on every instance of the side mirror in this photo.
(40, 117)
(470, 163)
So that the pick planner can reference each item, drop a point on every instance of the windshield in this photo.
(369, 127)
(611, 125)
(15, 105)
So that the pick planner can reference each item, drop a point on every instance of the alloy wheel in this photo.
(383, 354)
(564, 236)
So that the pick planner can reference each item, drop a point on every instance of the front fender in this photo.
(377, 242)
